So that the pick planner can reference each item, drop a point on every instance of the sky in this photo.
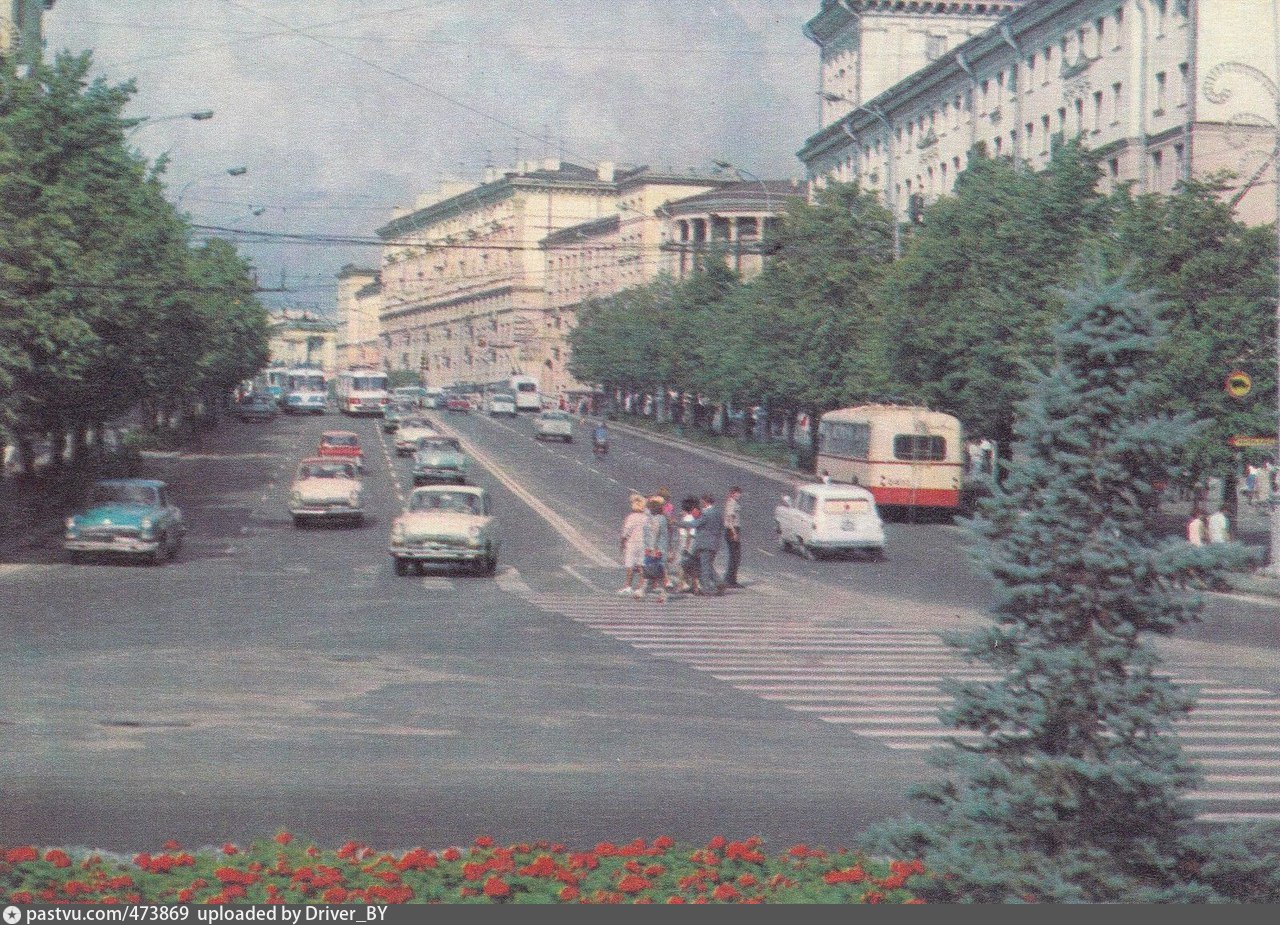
(342, 111)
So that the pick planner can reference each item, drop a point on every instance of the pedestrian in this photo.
(733, 535)
(657, 549)
(1217, 526)
(632, 541)
(1251, 484)
(1196, 528)
(826, 477)
(707, 538)
(1262, 490)
(688, 563)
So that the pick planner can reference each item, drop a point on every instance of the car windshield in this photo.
(503, 397)
(318, 470)
(124, 494)
(554, 416)
(340, 440)
(439, 444)
(450, 502)
(416, 422)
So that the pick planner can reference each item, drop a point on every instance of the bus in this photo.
(525, 389)
(276, 377)
(305, 390)
(905, 455)
(362, 391)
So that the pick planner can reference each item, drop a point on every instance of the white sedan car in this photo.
(830, 518)
(502, 403)
(446, 524)
(410, 431)
(328, 490)
(553, 425)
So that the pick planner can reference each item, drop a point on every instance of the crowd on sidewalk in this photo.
(669, 551)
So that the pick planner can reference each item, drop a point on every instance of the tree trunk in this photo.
(1230, 493)
(58, 448)
(789, 428)
(26, 456)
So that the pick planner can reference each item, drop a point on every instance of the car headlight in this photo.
(296, 497)
(473, 532)
(71, 525)
(146, 526)
(354, 499)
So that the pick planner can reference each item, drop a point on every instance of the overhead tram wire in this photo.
(431, 91)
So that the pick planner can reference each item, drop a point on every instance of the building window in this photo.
(955, 162)
(1100, 30)
(1031, 72)
(1113, 167)
(1048, 63)
(986, 96)
(1184, 84)
(1162, 87)
(1157, 170)
(1044, 142)
(1080, 116)
(999, 145)
(1117, 103)
(935, 47)
(1119, 30)
(1097, 111)
(1180, 162)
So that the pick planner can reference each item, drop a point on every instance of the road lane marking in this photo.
(582, 578)
(566, 530)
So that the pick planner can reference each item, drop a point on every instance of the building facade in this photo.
(21, 35)
(301, 338)
(1161, 89)
(734, 220)
(359, 336)
(464, 275)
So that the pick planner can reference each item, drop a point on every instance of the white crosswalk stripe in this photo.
(884, 682)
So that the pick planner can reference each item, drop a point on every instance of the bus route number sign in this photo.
(1238, 384)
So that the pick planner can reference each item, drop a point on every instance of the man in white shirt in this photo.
(733, 536)
(1219, 528)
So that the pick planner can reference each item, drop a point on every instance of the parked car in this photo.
(457, 404)
(327, 490)
(502, 403)
(412, 430)
(446, 524)
(553, 425)
(439, 459)
(256, 406)
(395, 413)
(830, 518)
(132, 517)
(341, 444)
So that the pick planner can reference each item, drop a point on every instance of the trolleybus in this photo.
(305, 390)
(362, 391)
(525, 389)
(906, 456)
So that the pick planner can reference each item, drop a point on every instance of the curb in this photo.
(781, 474)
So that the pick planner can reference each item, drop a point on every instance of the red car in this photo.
(457, 403)
(341, 444)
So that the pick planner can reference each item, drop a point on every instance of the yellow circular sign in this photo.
(1239, 384)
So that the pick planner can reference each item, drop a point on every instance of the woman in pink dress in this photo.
(633, 548)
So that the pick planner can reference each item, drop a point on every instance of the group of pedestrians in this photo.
(665, 551)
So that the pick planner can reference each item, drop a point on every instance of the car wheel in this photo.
(807, 551)
(784, 544)
(568, 439)
(357, 521)
(402, 566)
(490, 564)
(299, 521)
(75, 557)
(420, 567)
(877, 554)
(161, 551)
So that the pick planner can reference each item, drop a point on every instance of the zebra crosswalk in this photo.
(883, 682)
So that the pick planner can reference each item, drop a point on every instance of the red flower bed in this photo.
(287, 870)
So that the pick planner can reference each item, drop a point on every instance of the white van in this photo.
(830, 518)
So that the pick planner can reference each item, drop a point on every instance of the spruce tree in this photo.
(1074, 787)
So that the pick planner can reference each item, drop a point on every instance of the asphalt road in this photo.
(281, 677)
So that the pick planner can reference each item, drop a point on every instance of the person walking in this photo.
(733, 535)
(1196, 528)
(707, 539)
(1217, 526)
(632, 541)
(688, 563)
(657, 549)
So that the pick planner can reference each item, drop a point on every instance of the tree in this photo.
(975, 296)
(1216, 281)
(1074, 787)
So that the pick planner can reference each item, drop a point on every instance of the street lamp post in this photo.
(768, 201)
(1216, 91)
(147, 121)
(230, 171)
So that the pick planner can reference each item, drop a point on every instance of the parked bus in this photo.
(305, 390)
(906, 456)
(525, 389)
(362, 391)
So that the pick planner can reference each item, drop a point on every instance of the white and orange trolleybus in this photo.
(905, 455)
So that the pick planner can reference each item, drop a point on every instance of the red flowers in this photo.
(568, 894)
(484, 841)
(335, 894)
(57, 858)
(284, 838)
(632, 884)
(496, 888)
(725, 893)
(854, 874)
(229, 849)
(451, 854)
(21, 855)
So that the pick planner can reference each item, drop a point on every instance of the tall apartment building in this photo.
(359, 328)
(464, 276)
(1162, 89)
(21, 35)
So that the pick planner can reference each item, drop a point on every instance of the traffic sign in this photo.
(1238, 384)
(1241, 442)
